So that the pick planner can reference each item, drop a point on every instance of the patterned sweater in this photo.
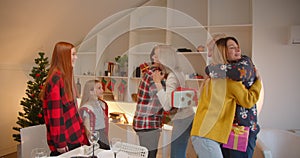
(149, 111)
(241, 70)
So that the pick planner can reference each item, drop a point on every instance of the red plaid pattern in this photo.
(64, 125)
(149, 111)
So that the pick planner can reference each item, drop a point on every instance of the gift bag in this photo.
(238, 138)
(184, 97)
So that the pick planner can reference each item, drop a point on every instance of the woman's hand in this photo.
(257, 74)
(157, 76)
(63, 150)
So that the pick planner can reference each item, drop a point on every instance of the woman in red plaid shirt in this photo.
(65, 130)
(147, 121)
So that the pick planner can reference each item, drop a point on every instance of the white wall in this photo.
(13, 84)
(277, 61)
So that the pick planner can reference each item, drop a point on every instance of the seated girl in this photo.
(94, 111)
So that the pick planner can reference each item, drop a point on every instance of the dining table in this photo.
(81, 152)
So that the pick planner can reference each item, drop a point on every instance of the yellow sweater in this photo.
(217, 104)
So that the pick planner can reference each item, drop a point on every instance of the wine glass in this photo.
(39, 153)
(113, 145)
(93, 137)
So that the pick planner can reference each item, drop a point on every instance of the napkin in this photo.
(105, 154)
(122, 154)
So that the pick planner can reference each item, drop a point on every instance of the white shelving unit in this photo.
(182, 24)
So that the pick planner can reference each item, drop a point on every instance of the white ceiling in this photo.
(30, 26)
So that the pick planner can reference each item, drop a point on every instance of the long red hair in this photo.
(61, 61)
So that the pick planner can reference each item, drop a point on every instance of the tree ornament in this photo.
(40, 115)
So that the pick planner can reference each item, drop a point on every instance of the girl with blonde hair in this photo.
(94, 111)
(216, 109)
(239, 68)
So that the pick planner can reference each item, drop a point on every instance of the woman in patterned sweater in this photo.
(239, 68)
(216, 109)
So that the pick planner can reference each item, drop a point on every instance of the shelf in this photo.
(187, 27)
(174, 22)
(85, 76)
(208, 26)
(115, 77)
(192, 53)
(136, 78)
(188, 13)
(229, 12)
(91, 76)
(193, 80)
(86, 53)
(118, 77)
(229, 26)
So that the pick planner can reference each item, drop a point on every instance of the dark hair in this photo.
(221, 41)
(226, 46)
(231, 38)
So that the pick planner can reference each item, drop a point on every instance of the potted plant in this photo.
(122, 64)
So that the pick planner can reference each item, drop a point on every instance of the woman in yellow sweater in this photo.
(216, 109)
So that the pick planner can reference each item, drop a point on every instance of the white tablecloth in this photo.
(78, 152)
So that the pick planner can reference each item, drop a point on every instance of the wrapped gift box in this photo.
(144, 67)
(184, 97)
(238, 138)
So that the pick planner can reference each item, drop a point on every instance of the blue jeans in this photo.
(206, 148)
(180, 136)
(229, 153)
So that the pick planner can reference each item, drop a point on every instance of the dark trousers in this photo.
(103, 141)
(70, 146)
(149, 138)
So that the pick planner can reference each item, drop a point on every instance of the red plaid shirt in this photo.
(64, 125)
(149, 111)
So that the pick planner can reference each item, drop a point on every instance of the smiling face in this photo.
(98, 90)
(73, 56)
(233, 50)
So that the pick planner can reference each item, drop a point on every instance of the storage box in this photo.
(238, 138)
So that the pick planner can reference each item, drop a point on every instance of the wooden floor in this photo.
(12, 155)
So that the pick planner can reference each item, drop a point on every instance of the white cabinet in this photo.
(182, 24)
(233, 17)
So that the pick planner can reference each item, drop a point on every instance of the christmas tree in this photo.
(32, 105)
